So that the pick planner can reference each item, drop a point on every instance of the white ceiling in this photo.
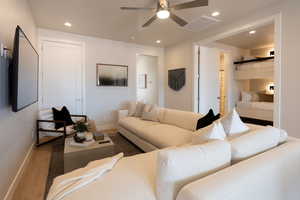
(264, 36)
(103, 18)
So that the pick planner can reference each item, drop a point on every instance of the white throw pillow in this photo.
(255, 142)
(214, 131)
(233, 124)
(132, 108)
(148, 107)
(177, 167)
(139, 109)
(246, 96)
(151, 115)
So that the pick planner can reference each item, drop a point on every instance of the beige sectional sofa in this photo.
(260, 164)
(173, 128)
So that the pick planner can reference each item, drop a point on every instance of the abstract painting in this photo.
(112, 75)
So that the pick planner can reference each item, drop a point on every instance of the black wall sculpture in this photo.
(176, 78)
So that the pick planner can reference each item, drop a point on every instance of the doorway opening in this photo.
(241, 69)
(147, 79)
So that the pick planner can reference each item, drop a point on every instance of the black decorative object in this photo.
(62, 115)
(254, 60)
(176, 79)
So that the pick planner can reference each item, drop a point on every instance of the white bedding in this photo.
(257, 65)
(256, 104)
(256, 110)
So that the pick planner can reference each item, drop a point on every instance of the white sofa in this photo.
(256, 165)
(173, 128)
(272, 175)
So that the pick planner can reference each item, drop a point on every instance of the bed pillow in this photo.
(255, 142)
(207, 120)
(214, 131)
(152, 115)
(233, 124)
(132, 108)
(139, 109)
(246, 96)
(177, 167)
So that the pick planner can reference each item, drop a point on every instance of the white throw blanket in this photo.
(66, 187)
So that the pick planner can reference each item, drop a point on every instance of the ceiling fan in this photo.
(164, 10)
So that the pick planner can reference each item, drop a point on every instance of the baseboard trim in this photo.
(11, 190)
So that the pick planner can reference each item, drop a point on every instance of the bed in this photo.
(256, 110)
(255, 70)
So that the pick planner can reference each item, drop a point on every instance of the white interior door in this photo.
(62, 76)
(209, 82)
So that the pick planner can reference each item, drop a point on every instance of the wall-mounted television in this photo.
(24, 72)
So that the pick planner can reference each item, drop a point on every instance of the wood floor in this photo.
(32, 184)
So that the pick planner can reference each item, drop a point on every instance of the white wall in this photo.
(290, 67)
(148, 65)
(16, 128)
(180, 56)
(102, 103)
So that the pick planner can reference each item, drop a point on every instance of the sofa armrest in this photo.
(274, 174)
(122, 114)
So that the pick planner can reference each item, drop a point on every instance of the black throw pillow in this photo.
(216, 117)
(207, 120)
(62, 115)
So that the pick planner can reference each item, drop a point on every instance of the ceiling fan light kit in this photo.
(165, 11)
(163, 14)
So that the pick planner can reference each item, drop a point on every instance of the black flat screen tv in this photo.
(24, 72)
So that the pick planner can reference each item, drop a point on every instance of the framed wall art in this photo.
(112, 75)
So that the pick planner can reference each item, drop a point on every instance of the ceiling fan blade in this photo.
(178, 20)
(135, 8)
(150, 21)
(191, 4)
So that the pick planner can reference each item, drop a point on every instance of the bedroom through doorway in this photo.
(241, 71)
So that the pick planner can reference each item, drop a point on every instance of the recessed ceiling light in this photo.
(215, 14)
(68, 24)
(158, 41)
(252, 32)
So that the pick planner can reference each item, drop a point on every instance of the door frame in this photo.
(83, 68)
(277, 19)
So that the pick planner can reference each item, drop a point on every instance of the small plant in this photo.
(80, 127)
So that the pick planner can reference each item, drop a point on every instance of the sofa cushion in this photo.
(182, 119)
(164, 135)
(177, 167)
(139, 109)
(207, 120)
(233, 124)
(132, 108)
(254, 142)
(211, 132)
(151, 115)
(132, 178)
(135, 124)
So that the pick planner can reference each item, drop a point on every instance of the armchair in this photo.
(46, 124)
